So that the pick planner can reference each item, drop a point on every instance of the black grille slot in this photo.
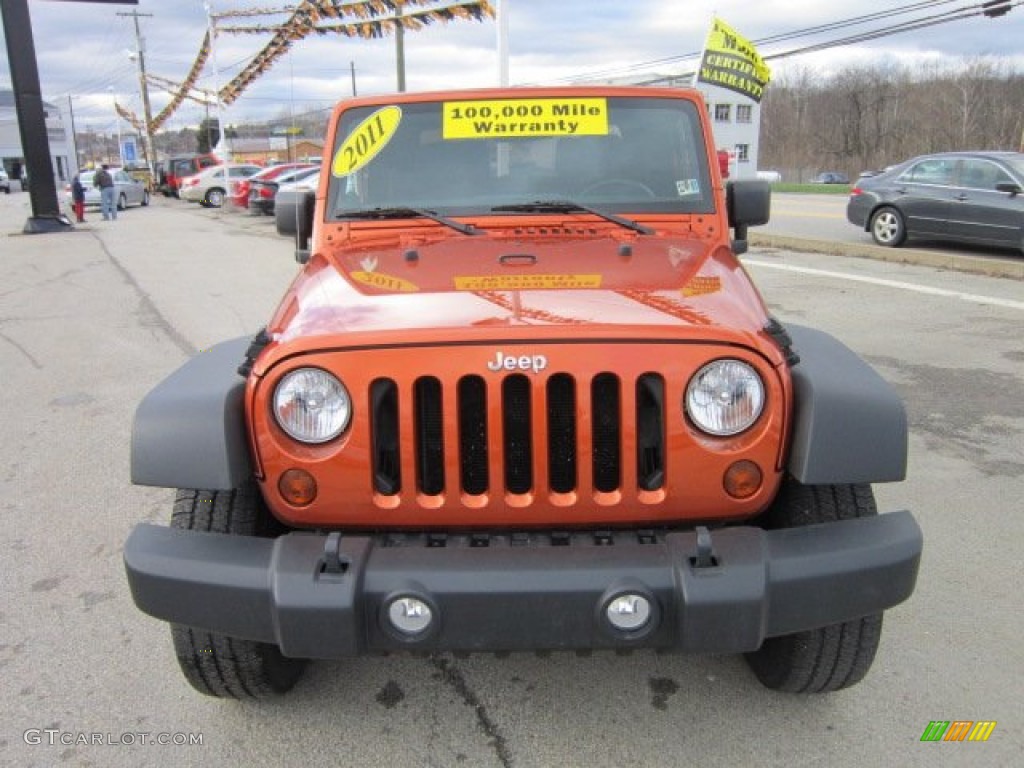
(429, 435)
(515, 407)
(561, 391)
(650, 431)
(473, 461)
(606, 407)
(555, 433)
(387, 466)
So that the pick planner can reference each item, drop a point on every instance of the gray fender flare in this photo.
(189, 431)
(849, 424)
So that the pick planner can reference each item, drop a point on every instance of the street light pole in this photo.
(400, 46)
(117, 117)
(502, 43)
(212, 34)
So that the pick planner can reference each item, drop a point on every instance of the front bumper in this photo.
(524, 591)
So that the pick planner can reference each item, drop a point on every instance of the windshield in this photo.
(632, 155)
(1017, 163)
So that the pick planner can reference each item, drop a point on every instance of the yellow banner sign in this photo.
(511, 118)
(731, 61)
(525, 282)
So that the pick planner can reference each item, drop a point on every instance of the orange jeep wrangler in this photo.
(523, 395)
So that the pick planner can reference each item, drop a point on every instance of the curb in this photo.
(976, 265)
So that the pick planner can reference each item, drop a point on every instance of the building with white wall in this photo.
(12, 156)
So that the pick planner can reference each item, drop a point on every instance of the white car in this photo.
(5, 181)
(210, 187)
(127, 190)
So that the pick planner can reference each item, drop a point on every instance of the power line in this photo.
(957, 14)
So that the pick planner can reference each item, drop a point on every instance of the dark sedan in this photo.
(973, 197)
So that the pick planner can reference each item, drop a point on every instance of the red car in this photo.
(240, 197)
(180, 166)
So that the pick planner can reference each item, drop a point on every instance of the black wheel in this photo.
(145, 197)
(832, 657)
(215, 198)
(214, 664)
(122, 202)
(888, 227)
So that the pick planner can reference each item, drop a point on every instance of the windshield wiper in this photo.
(404, 213)
(567, 206)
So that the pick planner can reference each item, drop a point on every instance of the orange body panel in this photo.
(404, 300)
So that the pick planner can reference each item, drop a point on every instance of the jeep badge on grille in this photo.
(503, 362)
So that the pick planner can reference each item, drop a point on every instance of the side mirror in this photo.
(749, 205)
(305, 207)
(1009, 187)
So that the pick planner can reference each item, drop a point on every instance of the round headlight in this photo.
(725, 397)
(311, 405)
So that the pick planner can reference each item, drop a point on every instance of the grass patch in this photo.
(813, 189)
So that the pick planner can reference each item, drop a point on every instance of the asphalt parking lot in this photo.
(91, 319)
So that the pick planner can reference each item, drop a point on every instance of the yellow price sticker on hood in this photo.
(511, 118)
(384, 282)
(525, 282)
(366, 140)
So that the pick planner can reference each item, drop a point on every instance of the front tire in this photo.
(888, 227)
(122, 202)
(833, 657)
(145, 198)
(215, 198)
(219, 665)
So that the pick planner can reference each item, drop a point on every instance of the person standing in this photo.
(78, 198)
(103, 181)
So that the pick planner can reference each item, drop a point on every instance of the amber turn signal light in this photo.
(742, 479)
(297, 487)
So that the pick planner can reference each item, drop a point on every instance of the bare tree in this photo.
(873, 116)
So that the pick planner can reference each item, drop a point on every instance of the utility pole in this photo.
(74, 137)
(150, 149)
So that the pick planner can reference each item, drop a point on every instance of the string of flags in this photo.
(366, 19)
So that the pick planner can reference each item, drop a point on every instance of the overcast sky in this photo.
(83, 48)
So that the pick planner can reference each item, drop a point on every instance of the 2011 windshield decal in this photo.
(366, 140)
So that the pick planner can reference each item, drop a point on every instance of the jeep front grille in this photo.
(555, 435)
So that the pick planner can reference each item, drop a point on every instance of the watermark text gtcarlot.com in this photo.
(54, 736)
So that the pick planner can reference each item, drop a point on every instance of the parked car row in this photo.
(204, 179)
(973, 197)
(265, 180)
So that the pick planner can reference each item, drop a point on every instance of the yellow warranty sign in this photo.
(366, 140)
(511, 118)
